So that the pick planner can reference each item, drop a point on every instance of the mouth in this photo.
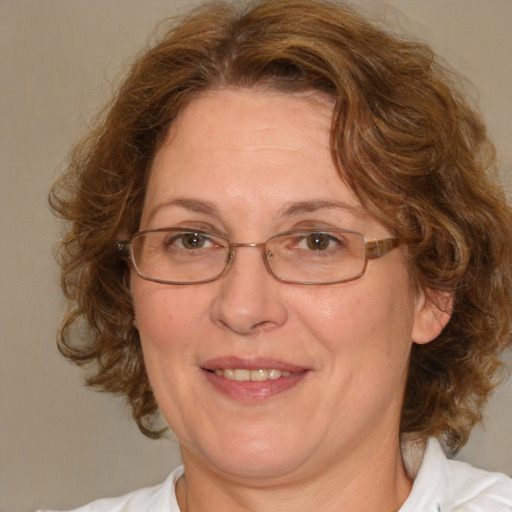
(259, 375)
(252, 380)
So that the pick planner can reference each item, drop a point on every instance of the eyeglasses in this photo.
(185, 256)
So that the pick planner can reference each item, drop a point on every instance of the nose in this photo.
(249, 298)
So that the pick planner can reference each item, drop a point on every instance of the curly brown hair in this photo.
(410, 147)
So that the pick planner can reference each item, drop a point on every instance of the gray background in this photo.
(62, 445)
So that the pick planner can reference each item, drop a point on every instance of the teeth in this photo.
(242, 375)
(259, 375)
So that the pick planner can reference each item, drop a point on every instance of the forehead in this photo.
(252, 119)
(246, 151)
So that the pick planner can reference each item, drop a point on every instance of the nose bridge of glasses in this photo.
(236, 245)
(246, 244)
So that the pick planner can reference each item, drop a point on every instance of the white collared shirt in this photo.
(440, 485)
(443, 485)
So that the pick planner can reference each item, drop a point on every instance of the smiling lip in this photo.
(252, 380)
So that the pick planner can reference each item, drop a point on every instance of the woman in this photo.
(285, 236)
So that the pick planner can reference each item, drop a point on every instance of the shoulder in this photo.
(159, 497)
(476, 490)
(443, 485)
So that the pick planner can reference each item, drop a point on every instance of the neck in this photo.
(369, 481)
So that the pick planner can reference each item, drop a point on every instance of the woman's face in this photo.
(250, 164)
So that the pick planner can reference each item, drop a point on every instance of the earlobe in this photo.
(433, 312)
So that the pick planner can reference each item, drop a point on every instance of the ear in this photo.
(433, 311)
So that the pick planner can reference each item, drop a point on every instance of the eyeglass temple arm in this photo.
(377, 248)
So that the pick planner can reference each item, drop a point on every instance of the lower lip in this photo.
(253, 391)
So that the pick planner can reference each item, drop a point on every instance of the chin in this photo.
(261, 457)
(261, 467)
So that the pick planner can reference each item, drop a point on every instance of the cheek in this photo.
(168, 321)
(361, 324)
(164, 316)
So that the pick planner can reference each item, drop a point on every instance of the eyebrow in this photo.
(193, 205)
(289, 210)
(300, 207)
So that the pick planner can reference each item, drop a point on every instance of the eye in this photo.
(321, 241)
(189, 241)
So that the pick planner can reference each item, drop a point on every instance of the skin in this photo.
(333, 437)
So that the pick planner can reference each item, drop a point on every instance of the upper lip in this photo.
(254, 363)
